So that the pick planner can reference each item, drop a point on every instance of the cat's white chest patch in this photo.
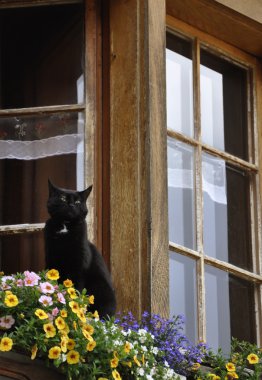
(64, 230)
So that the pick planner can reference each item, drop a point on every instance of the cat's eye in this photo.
(77, 202)
(63, 198)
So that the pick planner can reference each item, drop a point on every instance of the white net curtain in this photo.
(38, 136)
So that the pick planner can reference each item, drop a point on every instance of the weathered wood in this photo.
(21, 228)
(42, 110)
(139, 249)
(219, 21)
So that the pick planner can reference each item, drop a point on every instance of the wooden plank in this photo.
(219, 21)
(21, 228)
(158, 158)
(41, 110)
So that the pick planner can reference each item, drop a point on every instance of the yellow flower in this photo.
(34, 352)
(102, 378)
(41, 314)
(63, 344)
(71, 344)
(74, 306)
(96, 315)
(68, 283)
(54, 352)
(89, 329)
(6, 344)
(253, 359)
(60, 323)
(213, 376)
(230, 367)
(116, 375)
(91, 300)
(91, 345)
(114, 362)
(72, 357)
(128, 364)
(52, 274)
(127, 347)
(87, 335)
(231, 375)
(63, 313)
(137, 361)
(195, 366)
(72, 293)
(11, 300)
(50, 330)
(81, 316)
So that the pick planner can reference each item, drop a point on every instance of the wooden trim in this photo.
(42, 110)
(21, 228)
(34, 3)
(220, 22)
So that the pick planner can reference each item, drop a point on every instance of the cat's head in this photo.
(67, 205)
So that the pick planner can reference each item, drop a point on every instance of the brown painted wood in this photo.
(219, 21)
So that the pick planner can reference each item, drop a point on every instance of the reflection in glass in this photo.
(22, 252)
(226, 215)
(179, 86)
(182, 291)
(223, 88)
(181, 201)
(40, 64)
(229, 308)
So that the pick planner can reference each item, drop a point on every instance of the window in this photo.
(215, 278)
(43, 113)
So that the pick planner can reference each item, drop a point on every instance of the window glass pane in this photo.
(41, 54)
(181, 189)
(226, 212)
(22, 252)
(223, 105)
(229, 308)
(33, 149)
(182, 291)
(179, 86)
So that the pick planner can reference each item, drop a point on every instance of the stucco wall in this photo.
(250, 8)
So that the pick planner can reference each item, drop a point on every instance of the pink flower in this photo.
(46, 287)
(61, 298)
(46, 300)
(4, 285)
(6, 322)
(19, 283)
(55, 311)
(31, 278)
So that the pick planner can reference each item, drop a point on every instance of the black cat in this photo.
(69, 251)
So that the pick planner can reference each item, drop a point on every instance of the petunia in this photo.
(114, 362)
(230, 367)
(72, 293)
(68, 283)
(91, 345)
(61, 298)
(6, 344)
(91, 300)
(41, 314)
(54, 352)
(72, 357)
(52, 274)
(74, 306)
(253, 359)
(46, 300)
(116, 375)
(50, 330)
(11, 300)
(60, 323)
(6, 322)
(31, 278)
(34, 352)
(71, 344)
(46, 288)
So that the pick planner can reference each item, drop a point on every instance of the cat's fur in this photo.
(69, 251)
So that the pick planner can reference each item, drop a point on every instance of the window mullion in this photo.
(199, 197)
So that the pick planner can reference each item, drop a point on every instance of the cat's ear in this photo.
(52, 188)
(85, 193)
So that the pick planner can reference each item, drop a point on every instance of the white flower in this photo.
(140, 372)
(149, 377)
(7, 322)
(155, 350)
(144, 348)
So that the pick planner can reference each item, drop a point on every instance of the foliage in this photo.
(244, 362)
(51, 321)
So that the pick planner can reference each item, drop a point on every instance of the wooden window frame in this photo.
(91, 107)
(253, 165)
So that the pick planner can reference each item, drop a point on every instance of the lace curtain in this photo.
(38, 136)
